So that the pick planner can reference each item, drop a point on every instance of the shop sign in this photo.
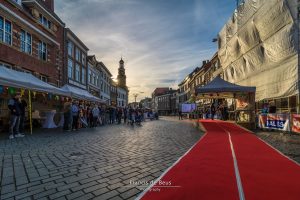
(274, 121)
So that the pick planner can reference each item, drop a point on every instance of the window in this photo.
(90, 76)
(97, 81)
(42, 50)
(83, 75)
(77, 54)
(18, 2)
(43, 78)
(94, 79)
(83, 59)
(45, 22)
(5, 31)
(70, 48)
(101, 86)
(25, 42)
(70, 68)
(49, 24)
(77, 72)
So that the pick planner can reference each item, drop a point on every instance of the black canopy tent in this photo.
(222, 87)
(244, 111)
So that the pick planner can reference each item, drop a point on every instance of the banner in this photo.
(274, 121)
(296, 123)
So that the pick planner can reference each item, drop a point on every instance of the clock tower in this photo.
(121, 75)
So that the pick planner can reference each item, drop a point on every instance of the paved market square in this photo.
(99, 163)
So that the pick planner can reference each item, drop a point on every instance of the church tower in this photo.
(121, 75)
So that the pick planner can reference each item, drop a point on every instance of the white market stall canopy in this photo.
(223, 88)
(13, 78)
(80, 93)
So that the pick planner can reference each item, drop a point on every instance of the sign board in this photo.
(296, 123)
(274, 121)
(188, 107)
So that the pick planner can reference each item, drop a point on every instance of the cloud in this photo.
(160, 41)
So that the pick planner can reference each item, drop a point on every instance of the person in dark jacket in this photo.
(23, 106)
(125, 115)
(212, 110)
(15, 112)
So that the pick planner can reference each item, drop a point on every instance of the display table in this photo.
(49, 122)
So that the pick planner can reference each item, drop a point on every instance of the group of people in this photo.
(79, 115)
(269, 108)
(218, 110)
(17, 107)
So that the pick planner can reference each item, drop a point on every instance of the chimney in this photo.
(49, 4)
(203, 62)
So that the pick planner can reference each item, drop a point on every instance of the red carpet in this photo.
(265, 173)
(207, 171)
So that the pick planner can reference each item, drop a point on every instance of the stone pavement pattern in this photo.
(94, 163)
(288, 144)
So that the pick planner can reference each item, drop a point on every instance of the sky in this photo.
(161, 41)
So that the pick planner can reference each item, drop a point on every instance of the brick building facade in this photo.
(31, 38)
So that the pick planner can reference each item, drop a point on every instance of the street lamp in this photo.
(135, 95)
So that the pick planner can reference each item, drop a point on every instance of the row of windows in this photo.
(25, 37)
(79, 56)
(160, 99)
(120, 103)
(121, 96)
(77, 73)
(93, 78)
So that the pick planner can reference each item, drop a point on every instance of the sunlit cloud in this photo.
(160, 41)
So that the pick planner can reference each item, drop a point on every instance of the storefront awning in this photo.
(80, 93)
(13, 78)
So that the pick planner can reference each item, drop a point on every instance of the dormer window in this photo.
(44, 21)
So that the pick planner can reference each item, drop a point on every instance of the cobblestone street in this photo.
(288, 144)
(94, 163)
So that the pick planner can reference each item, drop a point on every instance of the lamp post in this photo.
(135, 95)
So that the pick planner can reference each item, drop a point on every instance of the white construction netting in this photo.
(258, 47)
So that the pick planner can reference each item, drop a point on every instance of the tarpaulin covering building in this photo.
(259, 47)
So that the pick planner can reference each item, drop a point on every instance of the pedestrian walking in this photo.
(15, 112)
(180, 114)
(68, 115)
(125, 112)
(212, 110)
(95, 113)
(75, 115)
(23, 105)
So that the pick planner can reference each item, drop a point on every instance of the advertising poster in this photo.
(296, 123)
(274, 121)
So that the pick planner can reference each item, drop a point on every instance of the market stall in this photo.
(240, 98)
(28, 86)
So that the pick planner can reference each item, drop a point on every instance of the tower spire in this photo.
(121, 74)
